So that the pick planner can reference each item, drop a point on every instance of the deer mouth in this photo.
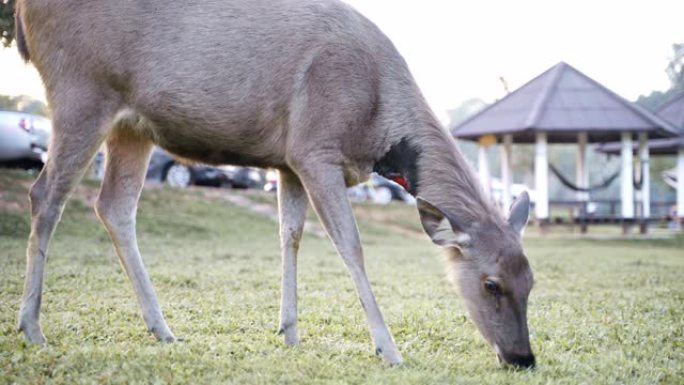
(519, 361)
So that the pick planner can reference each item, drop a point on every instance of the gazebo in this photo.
(563, 105)
(672, 111)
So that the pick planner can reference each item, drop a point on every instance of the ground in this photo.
(607, 311)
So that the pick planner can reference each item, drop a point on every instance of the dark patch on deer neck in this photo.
(400, 163)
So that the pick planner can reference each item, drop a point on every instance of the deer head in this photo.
(493, 274)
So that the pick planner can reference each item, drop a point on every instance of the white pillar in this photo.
(541, 177)
(626, 177)
(506, 172)
(582, 176)
(483, 167)
(645, 175)
(680, 183)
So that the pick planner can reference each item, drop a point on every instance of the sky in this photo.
(458, 49)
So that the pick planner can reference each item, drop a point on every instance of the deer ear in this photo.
(520, 212)
(443, 230)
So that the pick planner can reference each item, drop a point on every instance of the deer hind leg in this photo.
(78, 131)
(292, 204)
(127, 157)
(328, 193)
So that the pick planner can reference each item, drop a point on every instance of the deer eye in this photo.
(492, 287)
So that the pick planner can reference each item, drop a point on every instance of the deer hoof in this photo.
(391, 356)
(33, 334)
(168, 339)
(163, 334)
(290, 334)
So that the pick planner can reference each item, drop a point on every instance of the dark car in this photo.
(166, 169)
(244, 177)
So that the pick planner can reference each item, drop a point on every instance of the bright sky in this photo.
(458, 49)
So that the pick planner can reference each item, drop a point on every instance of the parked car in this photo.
(244, 177)
(165, 168)
(379, 190)
(24, 138)
(387, 187)
(271, 181)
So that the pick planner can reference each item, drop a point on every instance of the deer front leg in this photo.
(292, 209)
(78, 131)
(127, 158)
(328, 194)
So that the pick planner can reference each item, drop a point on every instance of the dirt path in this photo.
(311, 227)
(268, 210)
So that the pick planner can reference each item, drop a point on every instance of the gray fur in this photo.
(310, 87)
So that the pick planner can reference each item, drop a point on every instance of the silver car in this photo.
(24, 138)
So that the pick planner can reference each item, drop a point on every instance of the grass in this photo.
(602, 312)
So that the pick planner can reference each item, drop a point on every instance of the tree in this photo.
(7, 22)
(467, 109)
(23, 104)
(35, 107)
(458, 115)
(7, 103)
(675, 71)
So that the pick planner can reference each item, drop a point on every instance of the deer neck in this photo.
(428, 164)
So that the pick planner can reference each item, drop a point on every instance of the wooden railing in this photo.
(607, 211)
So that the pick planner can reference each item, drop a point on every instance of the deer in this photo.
(308, 87)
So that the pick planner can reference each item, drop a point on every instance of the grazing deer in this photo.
(310, 88)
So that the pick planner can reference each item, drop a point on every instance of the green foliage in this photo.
(24, 104)
(601, 312)
(7, 22)
(7, 102)
(675, 71)
(460, 114)
(653, 100)
(467, 109)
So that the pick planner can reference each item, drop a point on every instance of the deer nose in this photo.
(520, 360)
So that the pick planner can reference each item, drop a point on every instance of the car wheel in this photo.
(178, 175)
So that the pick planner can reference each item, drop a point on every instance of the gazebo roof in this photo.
(563, 102)
(672, 111)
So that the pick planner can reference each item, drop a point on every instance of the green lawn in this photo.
(601, 312)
